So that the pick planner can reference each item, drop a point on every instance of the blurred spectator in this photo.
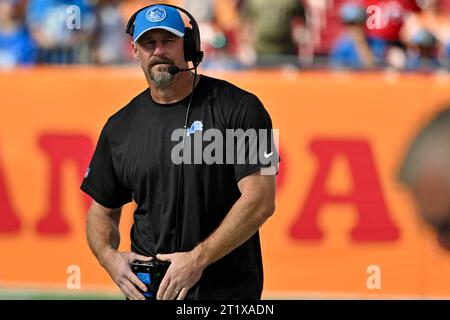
(425, 170)
(422, 51)
(430, 26)
(227, 18)
(274, 28)
(353, 49)
(387, 18)
(431, 18)
(411, 34)
(220, 59)
(16, 45)
(202, 10)
(53, 26)
(110, 42)
(204, 13)
(325, 24)
(218, 21)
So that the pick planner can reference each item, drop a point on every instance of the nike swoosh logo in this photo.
(267, 155)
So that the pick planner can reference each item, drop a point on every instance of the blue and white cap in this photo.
(158, 17)
(353, 13)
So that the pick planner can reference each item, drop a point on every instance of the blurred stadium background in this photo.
(347, 83)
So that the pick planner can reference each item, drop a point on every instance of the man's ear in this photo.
(135, 50)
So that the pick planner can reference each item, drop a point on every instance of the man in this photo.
(276, 29)
(352, 49)
(62, 29)
(16, 45)
(425, 171)
(202, 218)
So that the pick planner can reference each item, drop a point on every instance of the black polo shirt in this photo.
(133, 160)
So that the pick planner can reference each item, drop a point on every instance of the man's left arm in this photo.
(255, 205)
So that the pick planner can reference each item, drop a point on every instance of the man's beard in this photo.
(159, 74)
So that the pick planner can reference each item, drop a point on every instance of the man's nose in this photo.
(159, 49)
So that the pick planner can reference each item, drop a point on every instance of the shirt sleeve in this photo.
(101, 181)
(257, 143)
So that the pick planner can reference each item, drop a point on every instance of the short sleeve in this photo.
(256, 141)
(101, 181)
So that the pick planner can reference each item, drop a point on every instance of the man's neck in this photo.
(179, 89)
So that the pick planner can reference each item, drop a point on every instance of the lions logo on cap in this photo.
(156, 14)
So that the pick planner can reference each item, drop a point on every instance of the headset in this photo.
(193, 53)
(191, 39)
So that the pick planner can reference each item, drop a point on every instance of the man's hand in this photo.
(184, 271)
(118, 266)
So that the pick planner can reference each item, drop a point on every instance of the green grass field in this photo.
(55, 295)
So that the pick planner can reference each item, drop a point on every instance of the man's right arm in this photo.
(103, 230)
(103, 237)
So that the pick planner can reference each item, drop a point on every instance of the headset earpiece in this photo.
(189, 49)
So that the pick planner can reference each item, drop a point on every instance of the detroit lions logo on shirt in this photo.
(156, 14)
(196, 126)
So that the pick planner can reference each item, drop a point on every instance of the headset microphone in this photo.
(175, 69)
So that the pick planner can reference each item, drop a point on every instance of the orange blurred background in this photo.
(339, 210)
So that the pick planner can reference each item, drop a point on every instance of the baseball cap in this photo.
(158, 17)
(352, 13)
(424, 38)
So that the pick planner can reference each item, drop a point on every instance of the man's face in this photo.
(156, 50)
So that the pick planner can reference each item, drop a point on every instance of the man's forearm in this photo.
(241, 222)
(103, 233)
